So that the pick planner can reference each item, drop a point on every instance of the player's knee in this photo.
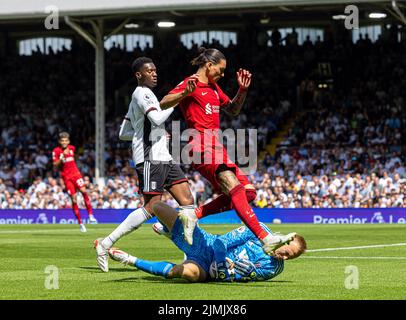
(187, 200)
(155, 208)
(150, 202)
(73, 197)
(227, 180)
(251, 194)
(150, 209)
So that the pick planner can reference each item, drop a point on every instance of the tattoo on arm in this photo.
(236, 104)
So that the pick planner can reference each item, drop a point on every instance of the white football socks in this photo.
(134, 220)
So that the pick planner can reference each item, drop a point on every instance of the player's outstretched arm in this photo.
(244, 81)
(159, 117)
(220, 250)
(173, 99)
(237, 237)
(223, 244)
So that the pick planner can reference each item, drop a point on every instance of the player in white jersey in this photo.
(144, 126)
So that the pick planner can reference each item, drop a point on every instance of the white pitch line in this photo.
(359, 247)
(49, 230)
(357, 258)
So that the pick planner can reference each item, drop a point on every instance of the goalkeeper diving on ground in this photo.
(234, 256)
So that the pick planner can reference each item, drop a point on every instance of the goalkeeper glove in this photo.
(222, 272)
(246, 269)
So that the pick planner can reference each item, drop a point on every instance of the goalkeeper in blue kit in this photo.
(235, 256)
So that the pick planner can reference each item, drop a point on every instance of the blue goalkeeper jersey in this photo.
(241, 243)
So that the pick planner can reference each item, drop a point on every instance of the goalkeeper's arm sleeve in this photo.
(159, 117)
(126, 130)
(220, 250)
(237, 237)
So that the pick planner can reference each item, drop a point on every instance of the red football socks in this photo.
(251, 194)
(221, 203)
(245, 212)
(87, 203)
(75, 209)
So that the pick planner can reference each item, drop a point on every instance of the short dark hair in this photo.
(207, 55)
(139, 62)
(63, 134)
(301, 243)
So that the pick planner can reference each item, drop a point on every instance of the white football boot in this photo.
(189, 221)
(161, 230)
(274, 241)
(82, 228)
(121, 256)
(102, 255)
(92, 219)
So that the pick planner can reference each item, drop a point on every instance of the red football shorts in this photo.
(211, 164)
(73, 183)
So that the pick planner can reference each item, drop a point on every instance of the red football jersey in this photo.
(201, 108)
(69, 167)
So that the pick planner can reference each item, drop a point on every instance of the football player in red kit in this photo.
(63, 157)
(200, 100)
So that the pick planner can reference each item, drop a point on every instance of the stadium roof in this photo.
(23, 9)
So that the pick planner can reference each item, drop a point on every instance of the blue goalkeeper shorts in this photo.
(201, 251)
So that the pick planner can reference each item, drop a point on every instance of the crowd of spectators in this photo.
(345, 147)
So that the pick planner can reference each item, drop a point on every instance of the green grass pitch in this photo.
(27, 250)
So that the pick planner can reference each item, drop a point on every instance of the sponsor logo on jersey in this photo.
(209, 109)
(68, 159)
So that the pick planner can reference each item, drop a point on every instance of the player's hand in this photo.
(191, 84)
(222, 272)
(245, 268)
(244, 79)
